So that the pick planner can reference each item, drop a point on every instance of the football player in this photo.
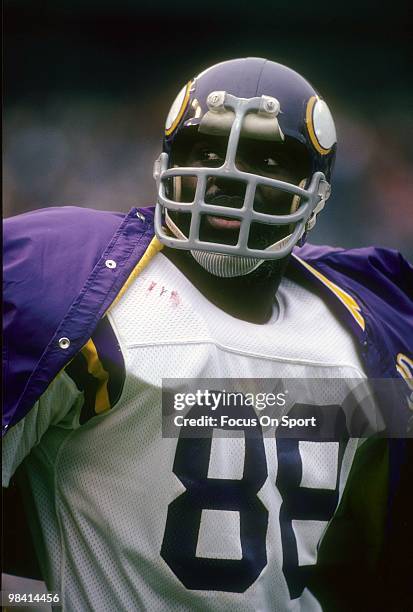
(216, 283)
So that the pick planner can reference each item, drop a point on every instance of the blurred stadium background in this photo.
(88, 86)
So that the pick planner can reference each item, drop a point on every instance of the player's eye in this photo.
(267, 166)
(272, 166)
(211, 158)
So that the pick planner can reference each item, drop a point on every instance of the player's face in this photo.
(274, 160)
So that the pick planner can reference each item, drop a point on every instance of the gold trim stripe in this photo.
(344, 297)
(89, 351)
(96, 369)
(405, 368)
(309, 119)
(179, 116)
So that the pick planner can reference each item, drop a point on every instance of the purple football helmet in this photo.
(250, 98)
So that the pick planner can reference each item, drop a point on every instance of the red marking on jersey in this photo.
(175, 299)
(174, 295)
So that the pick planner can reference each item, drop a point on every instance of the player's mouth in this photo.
(223, 223)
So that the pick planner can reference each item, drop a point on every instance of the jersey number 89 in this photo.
(183, 522)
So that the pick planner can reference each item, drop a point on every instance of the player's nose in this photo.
(228, 187)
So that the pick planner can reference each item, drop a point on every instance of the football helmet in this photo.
(241, 100)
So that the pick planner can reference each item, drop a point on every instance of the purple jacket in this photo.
(64, 267)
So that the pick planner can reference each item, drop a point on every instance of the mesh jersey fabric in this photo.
(101, 492)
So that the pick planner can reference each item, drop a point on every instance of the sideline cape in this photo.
(64, 268)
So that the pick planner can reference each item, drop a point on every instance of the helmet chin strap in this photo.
(226, 266)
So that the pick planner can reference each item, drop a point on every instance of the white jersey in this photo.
(125, 519)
